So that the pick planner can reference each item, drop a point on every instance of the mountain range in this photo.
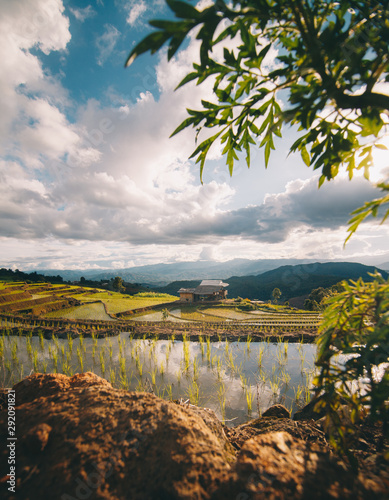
(293, 281)
(163, 274)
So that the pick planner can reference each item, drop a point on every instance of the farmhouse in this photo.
(207, 290)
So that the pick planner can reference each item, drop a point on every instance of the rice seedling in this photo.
(41, 340)
(208, 341)
(44, 367)
(81, 339)
(262, 376)
(14, 351)
(35, 360)
(280, 356)
(80, 358)
(28, 347)
(227, 346)
(70, 342)
(307, 395)
(62, 351)
(112, 376)
(169, 390)
(186, 351)
(196, 368)
(110, 349)
(248, 342)
(193, 392)
(298, 392)
(153, 374)
(162, 369)
(167, 354)
(55, 362)
(139, 387)
(285, 377)
(102, 362)
(122, 364)
(274, 385)
(249, 399)
(67, 369)
(201, 343)
(261, 352)
(219, 369)
(302, 360)
(243, 381)
(178, 376)
(221, 396)
(139, 366)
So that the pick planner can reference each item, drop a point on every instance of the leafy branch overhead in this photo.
(330, 58)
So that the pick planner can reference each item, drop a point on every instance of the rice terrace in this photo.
(231, 355)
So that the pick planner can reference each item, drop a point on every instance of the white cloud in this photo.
(112, 188)
(135, 12)
(83, 14)
(106, 43)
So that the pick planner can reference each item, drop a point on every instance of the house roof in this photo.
(213, 283)
(206, 287)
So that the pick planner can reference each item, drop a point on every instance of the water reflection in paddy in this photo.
(235, 379)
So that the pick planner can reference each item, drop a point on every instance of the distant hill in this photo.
(163, 274)
(293, 281)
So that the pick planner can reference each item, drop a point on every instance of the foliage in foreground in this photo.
(311, 63)
(355, 326)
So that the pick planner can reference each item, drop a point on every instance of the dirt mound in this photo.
(78, 438)
(277, 466)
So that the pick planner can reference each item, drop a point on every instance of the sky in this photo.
(91, 180)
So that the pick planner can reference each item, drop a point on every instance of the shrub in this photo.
(356, 326)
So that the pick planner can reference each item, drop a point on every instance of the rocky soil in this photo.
(78, 438)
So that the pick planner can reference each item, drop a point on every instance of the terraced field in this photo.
(137, 313)
(92, 312)
(72, 301)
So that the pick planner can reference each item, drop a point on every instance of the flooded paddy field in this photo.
(238, 380)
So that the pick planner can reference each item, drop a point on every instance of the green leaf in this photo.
(371, 124)
(183, 10)
(189, 77)
(151, 43)
(267, 153)
(305, 156)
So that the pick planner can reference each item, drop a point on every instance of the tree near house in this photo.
(331, 61)
(276, 295)
(117, 284)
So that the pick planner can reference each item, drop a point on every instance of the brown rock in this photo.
(213, 423)
(277, 466)
(36, 438)
(276, 411)
(80, 438)
(39, 385)
(305, 430)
